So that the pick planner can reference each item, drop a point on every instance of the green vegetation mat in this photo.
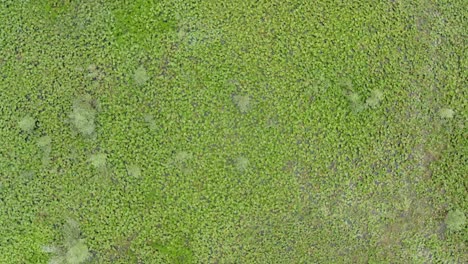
(233, 131)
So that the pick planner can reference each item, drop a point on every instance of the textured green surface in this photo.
(233, 131)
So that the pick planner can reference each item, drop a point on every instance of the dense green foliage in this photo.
(233, 131)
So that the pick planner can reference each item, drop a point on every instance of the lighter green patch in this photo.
(242, 163)
(73, 250)
(140, 76)
(133, 171)
(455, 220)
(355, 102)
(242, 102)
(78, 253)
(44, 142)
(446, 113)
(83, 116)
(98, 160)
(150, 122)
(27, 124)
(375, 98)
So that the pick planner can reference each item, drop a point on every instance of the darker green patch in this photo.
(55, 8)
(176, 252)
(142, 23)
